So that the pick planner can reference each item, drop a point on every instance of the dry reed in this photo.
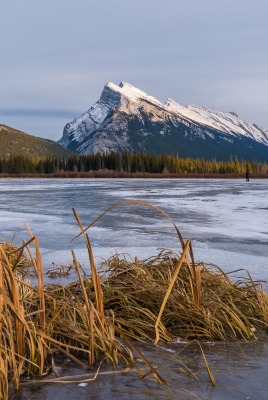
(215, 307)
(96, 318)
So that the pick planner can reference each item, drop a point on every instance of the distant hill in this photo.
(14, 142)
(128, 119)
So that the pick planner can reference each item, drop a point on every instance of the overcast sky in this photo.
(57, 55)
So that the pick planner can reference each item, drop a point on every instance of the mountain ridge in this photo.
(14, 142)
(126, 118)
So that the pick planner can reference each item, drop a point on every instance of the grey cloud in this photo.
(57, 58)
(36, 113)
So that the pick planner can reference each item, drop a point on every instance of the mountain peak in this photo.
(125, 89)
(127, 118)
(126, 84)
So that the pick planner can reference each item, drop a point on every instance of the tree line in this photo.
(128, 163)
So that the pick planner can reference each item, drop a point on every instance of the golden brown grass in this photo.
(210, 306)
(96, 318)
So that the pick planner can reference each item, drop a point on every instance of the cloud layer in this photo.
(56, 56)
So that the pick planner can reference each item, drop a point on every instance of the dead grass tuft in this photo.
(96, 318)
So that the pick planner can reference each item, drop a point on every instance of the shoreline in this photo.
(111, 174)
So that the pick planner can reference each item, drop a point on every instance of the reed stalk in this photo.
(96, 318)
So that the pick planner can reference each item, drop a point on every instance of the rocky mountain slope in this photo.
(14, 142)
(126, 118)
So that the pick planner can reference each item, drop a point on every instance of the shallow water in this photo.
(227, 222)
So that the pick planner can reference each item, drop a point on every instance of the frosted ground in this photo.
(226, 219)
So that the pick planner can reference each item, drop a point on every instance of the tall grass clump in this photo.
(38, 321)
(171, 295)
(96, 318)
(214, 307)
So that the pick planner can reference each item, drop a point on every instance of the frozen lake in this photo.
(227, 220)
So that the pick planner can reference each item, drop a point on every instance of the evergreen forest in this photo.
(128, 163)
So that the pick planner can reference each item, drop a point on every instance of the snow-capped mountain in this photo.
(126, 118)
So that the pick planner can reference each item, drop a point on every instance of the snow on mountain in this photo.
(133, 93)
(228, 122)
(125, 98)
(126, 118)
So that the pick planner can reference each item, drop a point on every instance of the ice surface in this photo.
(225, 219)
